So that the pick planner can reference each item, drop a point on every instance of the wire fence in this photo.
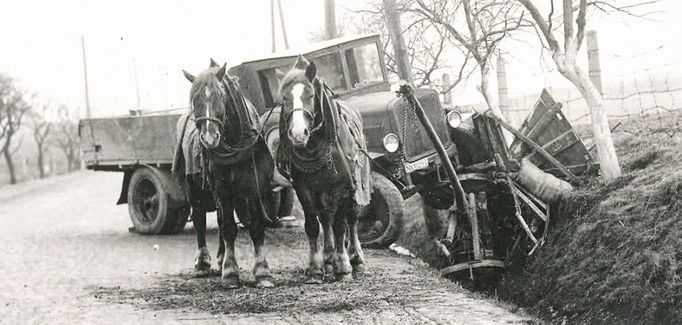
(653, 91)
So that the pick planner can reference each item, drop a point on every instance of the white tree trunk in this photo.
(606, 151)
(491, 96)
(489, 92)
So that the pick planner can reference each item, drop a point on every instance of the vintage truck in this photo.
(404, 161)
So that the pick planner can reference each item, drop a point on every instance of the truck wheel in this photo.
(382, 221)
(152, 209)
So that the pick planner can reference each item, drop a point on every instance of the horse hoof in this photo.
(202, 261)
(344, 277)
(328, 268)
(359, 268)
(231, 281)
(314, 279)
(201, 273)
(264, 282)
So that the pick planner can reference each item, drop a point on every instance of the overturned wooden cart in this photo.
(504, 192)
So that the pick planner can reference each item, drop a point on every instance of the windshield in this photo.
(364, 65)
(364, 68)
(330, 68)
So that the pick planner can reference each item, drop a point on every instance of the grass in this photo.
(615, 254)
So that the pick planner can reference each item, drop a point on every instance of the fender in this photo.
(177, 191)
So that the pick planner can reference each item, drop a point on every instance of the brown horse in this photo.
(187, 168)
(235, 163)
(321, 141)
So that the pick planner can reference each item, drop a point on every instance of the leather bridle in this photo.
(312, 116)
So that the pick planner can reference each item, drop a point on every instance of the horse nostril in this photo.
(305, 132)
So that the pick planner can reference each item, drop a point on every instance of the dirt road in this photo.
(67, 257)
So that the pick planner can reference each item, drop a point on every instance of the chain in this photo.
(404, 131)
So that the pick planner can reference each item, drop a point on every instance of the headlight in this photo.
(391, 143)
(454, 119)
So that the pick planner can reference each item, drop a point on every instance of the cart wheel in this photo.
(382, 221)
(152, 209)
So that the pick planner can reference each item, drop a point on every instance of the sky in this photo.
(41, 46)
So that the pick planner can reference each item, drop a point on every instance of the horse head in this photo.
(299, 93)
(208, 103)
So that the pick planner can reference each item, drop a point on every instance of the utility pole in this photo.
(281, 20)
(395, 32)
(272, 24)
(85, 77)
(330, 19)
(137, 85)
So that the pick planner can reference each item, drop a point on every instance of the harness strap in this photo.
(260, 199)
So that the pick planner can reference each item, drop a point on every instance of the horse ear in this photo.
(189, 76)
(301, 63)
(311, 71)
(214, 64)
(279, 74)
(221, 73)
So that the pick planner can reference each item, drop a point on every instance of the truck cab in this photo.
(354, 68)
(404, 160)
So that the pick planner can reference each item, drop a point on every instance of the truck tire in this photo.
(382, 221)
(153, 208)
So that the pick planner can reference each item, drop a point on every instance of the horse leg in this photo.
(357, 257)
(314, 273)
(221, 244)
(327, 220)
(342, 267)
(202, 261)
(326, 203)
(230, 272)
(261, 270)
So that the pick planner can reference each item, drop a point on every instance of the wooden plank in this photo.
(473, 218)
(535, 146)
(529, 202)
(558, 144)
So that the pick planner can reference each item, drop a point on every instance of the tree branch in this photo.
(542, 25)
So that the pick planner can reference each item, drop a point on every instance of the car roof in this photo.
(313, 47)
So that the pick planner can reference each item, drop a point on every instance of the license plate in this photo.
(419, 164)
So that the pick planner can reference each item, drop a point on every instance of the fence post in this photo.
(447, 96)
(503, 91)
(593, 60)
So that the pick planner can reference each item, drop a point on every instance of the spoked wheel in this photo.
(382, 221)
(152, 209)
(476, 262)
(146, 201)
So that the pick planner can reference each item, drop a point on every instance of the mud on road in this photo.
(68, 258)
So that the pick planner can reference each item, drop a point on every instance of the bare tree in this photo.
(479, 29)
(565, 59)
(13, 107)
(66, 137)
(427, 44)
(41, 130)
